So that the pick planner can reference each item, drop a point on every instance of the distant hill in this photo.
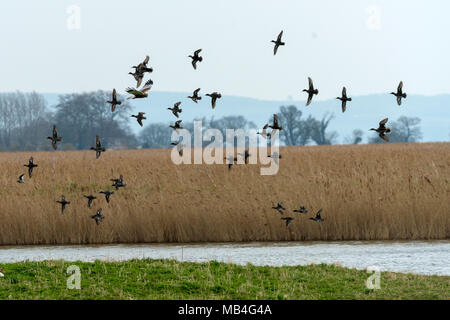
(363, 112)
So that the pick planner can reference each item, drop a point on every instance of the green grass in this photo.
(170, 279)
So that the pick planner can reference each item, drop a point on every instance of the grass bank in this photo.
(170, 279)
(367, 192)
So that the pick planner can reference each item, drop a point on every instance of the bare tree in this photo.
(355, 138)
(23, 117)
(158, 135)
(295, 130)
(230, 122)
(82, 116)
(319, 132)
(155, 135)
(407, 129)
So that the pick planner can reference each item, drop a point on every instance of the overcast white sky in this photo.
(368, 46)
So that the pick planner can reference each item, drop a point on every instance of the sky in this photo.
(367, 46)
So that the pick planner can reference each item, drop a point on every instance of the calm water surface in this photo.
(422, 257)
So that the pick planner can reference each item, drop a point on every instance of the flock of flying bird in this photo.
(136, 93)
(382, 130)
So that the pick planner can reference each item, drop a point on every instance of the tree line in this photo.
(26, 121)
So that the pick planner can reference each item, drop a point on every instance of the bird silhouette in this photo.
(176, 110)
(195, 97)
(98, 216)
(302, 209)
(107, 194)
(55, 138)
(399, 94)
(344, 99)
(311, 91)
(245, 155)
(98, 147)
(230, 161)
(275, 156)
(279, 207)
(278, 43)
(90, 199)
(196, 58)
(21, 180)
(118, 183)
(63, 203)
(31, 165)
(139, 94)
(139, 117)
(288, 220)
(177, 125)
(114, 101)
(180, 148)
(138, 77)
(275, 125)
(142, 68)
(264, 132)
(214, 96)
(382, 130)
(318, 217)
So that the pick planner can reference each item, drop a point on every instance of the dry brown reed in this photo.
(367, 192)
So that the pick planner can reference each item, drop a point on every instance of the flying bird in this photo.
(275, 125)
(214, 96)
(311, 91)
(279, 207)
(63, 203)
(288, 220)
(302, 209)
(114, 101)
(31, 165)
(264, 132)
(177, 125)
(118, 183)
(344, 99)
(180, 148)
(195, 97)
(90, 199)
(139, 94)
(98, 147)
(275, 156)
(382, 130)
(278, 43)
(317, 218)
(107, 194)
(139, 117)
(142, 68)
(399, 94)
(231, 160)
(196, 58)
(176, 110)
(245, 155)
(55, 139)
(98, 216)
(138, 77)
(21, 180)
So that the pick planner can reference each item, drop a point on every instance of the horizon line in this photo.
(227, 95)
